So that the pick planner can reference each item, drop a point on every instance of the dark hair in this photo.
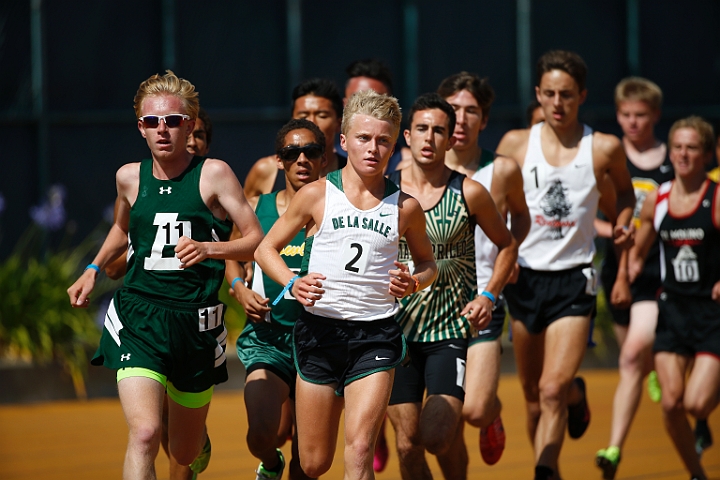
(569, 62)
(202, 115)
(530, 110)
(298, 124)
(479, 88)
(371, 68)
(430, 101)
(319, 87)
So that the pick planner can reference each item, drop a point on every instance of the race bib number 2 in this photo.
(169, 231)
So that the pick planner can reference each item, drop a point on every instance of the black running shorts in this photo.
(331, 351)
(541, 297)
(438, 367)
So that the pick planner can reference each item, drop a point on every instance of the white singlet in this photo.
(563, 203)
(354, 249)
(485, 250)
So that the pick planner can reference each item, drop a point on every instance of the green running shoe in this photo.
(703, 437)
(263, 474)
(608, 460)
(201, 462)
(653, 387)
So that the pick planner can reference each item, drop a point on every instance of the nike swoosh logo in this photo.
(381, 358)
(385, 214)
(579, 166)
(456, 347)
(665, 168)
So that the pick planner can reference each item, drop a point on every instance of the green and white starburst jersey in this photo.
(433, 314)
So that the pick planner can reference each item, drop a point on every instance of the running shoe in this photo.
(201, 462)
(608, 460)
(492, 441)
(263, 474)
(543, 473)
(382, 452)
(703, 438)
(579, 415)
(653, 387)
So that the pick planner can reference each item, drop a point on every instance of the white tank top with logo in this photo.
(354, 249)
(563, 203)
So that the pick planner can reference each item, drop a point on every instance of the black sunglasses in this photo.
(312, 151)
(172, 120)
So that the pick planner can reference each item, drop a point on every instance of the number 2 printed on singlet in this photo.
(354, 256)
(169, 231)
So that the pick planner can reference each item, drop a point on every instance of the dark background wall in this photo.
(69, 71)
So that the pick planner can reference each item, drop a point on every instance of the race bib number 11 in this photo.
(169, 231)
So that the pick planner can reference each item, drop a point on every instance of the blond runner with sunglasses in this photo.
(164, 329)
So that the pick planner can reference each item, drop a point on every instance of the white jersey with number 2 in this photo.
(354, 249)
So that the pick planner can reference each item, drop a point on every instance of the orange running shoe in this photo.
(492, 441)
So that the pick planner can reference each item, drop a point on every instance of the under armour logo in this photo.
(167, 190)
(706, 203)
(124, 356)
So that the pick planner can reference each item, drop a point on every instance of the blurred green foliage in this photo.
(37, 323)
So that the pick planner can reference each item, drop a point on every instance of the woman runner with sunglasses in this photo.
(265, 344)
(164, 329)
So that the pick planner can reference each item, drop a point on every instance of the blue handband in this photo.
(93, 266)
(488, 295)
(232, 284)
(287, 287)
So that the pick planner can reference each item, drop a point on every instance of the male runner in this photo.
(471, 98)
(685, 215)
(317, 100)
(634, 308)
(164, 329)
(563, 164)
(373, 74)
(198, 143)
(437, 321)
(347, 343)
(265, 344)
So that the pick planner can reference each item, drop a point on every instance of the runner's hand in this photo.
(401, 282)
(308, 289)
(478, 312)
(190, 252)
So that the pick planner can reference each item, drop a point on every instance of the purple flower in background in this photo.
(51, 213)
(109, 213)
(2, 203)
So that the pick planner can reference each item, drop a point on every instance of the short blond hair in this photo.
(639, 89)
(702, 127)
(168, 84)
(376, 105)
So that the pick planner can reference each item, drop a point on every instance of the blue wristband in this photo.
(92, 266)
(489, 295)
(234, 281)
(287, 287)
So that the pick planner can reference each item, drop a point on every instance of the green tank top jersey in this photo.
(288, 309)
(433, 314)
(164, 211)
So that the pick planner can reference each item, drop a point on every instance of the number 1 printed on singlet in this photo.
(169, 231)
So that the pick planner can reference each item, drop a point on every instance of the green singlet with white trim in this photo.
(288, 309)
(164, 211)
(433, 314)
